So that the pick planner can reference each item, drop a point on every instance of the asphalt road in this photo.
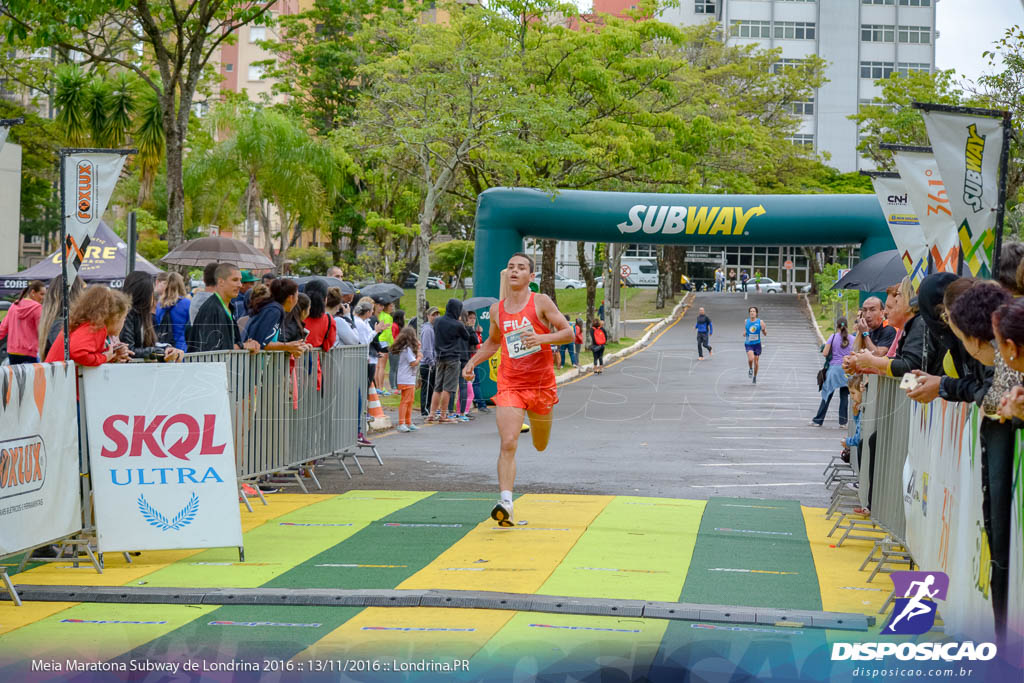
(660, 423)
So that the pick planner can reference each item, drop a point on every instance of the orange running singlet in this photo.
(522, 367)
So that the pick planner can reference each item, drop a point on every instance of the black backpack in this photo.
(165, 329)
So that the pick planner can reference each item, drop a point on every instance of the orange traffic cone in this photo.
(378, 420)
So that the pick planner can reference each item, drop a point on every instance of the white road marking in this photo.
(724, 486)
(748, 464)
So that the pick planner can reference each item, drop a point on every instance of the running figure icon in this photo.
(916, 606)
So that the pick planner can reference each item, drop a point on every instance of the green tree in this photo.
(442, 94)
(891, 118)
(110, 112)
(452, 258)
(178, 40)
(277, 162)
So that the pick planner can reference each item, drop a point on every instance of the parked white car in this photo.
(564, 282)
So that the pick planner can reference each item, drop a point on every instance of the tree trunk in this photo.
(588, 276)
(678, 263)
(264, 217)
(612, 300)
(547, 271)
(812, 264)
(664, 279)
(423, 249)
(175, 141)
(250, 223)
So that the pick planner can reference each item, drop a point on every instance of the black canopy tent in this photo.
(106, 262)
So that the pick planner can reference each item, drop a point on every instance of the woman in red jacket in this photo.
(98, 315)
(20, 327)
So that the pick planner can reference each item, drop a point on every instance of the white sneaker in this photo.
(413, 428)
(502, 513)
(404, 428)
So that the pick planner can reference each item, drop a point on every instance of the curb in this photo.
(814, 321)
(641, 343)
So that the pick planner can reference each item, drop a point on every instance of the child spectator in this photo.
(406, 351)
(96, 319)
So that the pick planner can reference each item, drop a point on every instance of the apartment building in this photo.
(861, 40)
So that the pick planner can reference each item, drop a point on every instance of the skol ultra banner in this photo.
(921, 177)
(89, 180)
(39, 494)
(903, 224)
(967, 148)
(162, 456)
(942, 499)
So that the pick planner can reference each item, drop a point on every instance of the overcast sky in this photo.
(969, 27)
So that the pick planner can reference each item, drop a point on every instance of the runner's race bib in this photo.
(515, 345)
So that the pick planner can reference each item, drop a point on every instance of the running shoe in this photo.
(812, 423)
(462, 418)
(413, 428)
(754, 380)
(502, 513)
(403, 428)
(363, 441)
(447, 420)
(484, 409)
(750, 372)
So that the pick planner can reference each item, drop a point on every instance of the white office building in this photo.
(861, 40)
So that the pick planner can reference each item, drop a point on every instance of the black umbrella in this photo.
(345, 287)
(875, 273)
(383, 292)
(205, 250)
(478, 302)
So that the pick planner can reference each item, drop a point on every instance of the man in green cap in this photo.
(240, 304)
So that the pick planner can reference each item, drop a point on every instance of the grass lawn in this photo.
(638, 302)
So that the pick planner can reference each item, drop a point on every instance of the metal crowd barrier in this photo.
(283, 413)
(893, 436)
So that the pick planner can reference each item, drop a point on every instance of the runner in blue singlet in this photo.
(753, 329)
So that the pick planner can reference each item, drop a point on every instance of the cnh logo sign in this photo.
(176, 435)
(914, 614)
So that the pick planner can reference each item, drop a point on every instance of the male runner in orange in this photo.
(521, 326)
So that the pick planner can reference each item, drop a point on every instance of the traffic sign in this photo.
(788, 265)
(626, 271)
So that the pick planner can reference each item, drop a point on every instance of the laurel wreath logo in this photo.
(185, 516)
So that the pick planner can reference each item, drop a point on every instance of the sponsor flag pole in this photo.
(970, 148)
(902, 218)
(94, 173)
(1004, 155)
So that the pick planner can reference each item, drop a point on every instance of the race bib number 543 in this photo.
(516, 347)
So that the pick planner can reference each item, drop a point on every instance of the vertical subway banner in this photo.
(39, 497)
(903, 224)
(967, 149)
(89, 180)
(161, 454)
(921, 177)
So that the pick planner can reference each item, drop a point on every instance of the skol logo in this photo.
(702, 220)
(85, 190)
(129, 434)
(974, 152)
(22, 466)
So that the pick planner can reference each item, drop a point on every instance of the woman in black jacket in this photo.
(138, 332)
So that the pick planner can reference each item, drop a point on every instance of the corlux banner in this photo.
(903, 224)
(920, 176)
(967, 148)
(39, 496)
(942, 501)
(161, 455)
(89, 180)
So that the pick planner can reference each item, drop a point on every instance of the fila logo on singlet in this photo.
(513, 325)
